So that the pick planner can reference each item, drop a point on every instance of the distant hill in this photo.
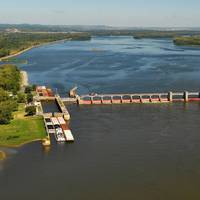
(83, 28)
(52, 28)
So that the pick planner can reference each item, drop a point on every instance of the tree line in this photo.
(11, 93)
(11, 43)
(192, 40)
(9, 86)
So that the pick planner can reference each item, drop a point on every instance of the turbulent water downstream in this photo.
(120, 151)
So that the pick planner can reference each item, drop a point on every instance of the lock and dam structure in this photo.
(169, 97)
(46, 94)
(126, 98)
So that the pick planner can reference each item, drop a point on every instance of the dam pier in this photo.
(138, 98)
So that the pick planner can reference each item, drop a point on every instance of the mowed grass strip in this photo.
(22, 129)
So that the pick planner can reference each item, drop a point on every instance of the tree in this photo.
(34, 87)
(21, 98)
(5, 116)
(9, 84)
(5, 113)
(3, 95)
(28, 89)
(10, 78)
(4, 52)
(11, 105)
(29, 97)
(30, 110)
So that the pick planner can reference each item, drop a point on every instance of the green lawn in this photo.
(22, 129)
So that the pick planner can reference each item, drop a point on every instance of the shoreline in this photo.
(29, 48)
(24, 126)
(17, 54)
(22, 144)
(24, 79)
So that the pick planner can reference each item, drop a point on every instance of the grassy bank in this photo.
(187, 41)
(22, 129)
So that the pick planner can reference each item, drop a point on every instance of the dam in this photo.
(138, 98)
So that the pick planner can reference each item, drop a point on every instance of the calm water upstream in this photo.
(121, 152)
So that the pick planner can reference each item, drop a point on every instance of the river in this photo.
(120, 151)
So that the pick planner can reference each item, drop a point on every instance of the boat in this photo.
(61, 120)
(67, 132)
(49, 125)
(54, 121)
(59, 135)
(68, 135)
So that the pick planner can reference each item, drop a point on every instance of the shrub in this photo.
(21, 98)
(5, 113)
(28, 89)
(30, 110)
(34, 87)
(3, 95)
(29, 97)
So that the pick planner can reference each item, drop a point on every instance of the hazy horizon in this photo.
(130, 13)
(103, 25)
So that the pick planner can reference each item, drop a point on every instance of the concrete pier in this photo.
(46, 94)
(64, 110)
(186, 96)
(72, 92)
(170, 96)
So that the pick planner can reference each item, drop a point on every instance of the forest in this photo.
(9, 86)
(163, 34)
(11, 43)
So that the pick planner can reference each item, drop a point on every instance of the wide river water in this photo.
(121, 152)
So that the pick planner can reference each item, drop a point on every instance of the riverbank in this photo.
(17, 54)
(14, 44)
(29, 48)
(22, 129)
(187, 41)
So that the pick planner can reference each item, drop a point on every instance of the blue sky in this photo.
(171, 13)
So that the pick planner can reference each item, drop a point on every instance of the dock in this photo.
(62, 107)
(58, 127)
(55, 123)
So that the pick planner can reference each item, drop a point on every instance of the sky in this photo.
(132, 13)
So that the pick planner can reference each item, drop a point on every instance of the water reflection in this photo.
(46, 149)
(9, 153)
